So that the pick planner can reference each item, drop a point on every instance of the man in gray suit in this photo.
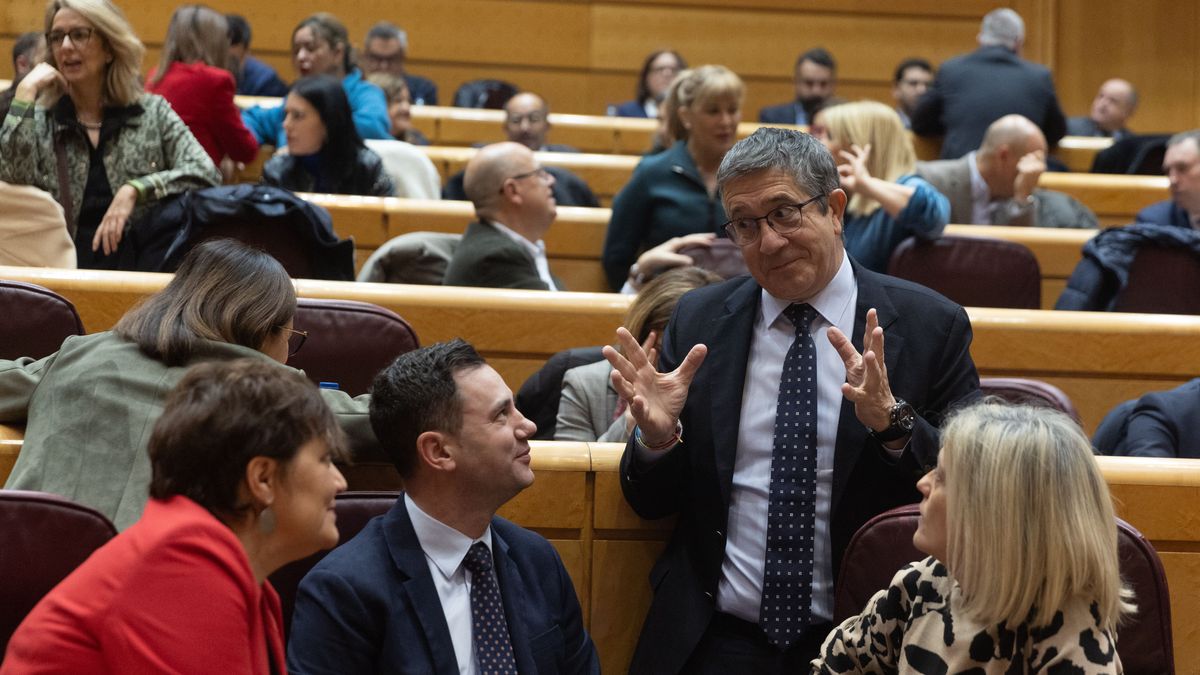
(514, 207)
(997, 184)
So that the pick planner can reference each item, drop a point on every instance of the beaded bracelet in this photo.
(671, 442)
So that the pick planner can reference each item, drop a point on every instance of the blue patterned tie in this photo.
(787, 575)
(493, 647)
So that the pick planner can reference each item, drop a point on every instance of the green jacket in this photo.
(153, 151)
(90, 409)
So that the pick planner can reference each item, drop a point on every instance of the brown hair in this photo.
(223, 291)
(221, 415)
(196, 33)
(656, 301)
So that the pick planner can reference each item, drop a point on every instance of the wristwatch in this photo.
(902, 417)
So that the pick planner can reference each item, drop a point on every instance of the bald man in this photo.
(996, 185)
(527, 121)
(1111, 109)
(514, 207)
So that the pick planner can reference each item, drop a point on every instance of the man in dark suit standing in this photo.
(514, 206)
(440, 584)
(973, 90)
(770, 432)
(815, 79)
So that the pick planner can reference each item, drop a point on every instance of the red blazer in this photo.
(173, 593)
(202, 96)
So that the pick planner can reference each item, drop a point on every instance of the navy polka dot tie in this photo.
(493, 647)
(787, 576)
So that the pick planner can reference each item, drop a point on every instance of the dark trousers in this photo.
(731, 645)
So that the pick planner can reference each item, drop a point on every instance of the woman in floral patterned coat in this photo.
(81, 129)
(1023, 573)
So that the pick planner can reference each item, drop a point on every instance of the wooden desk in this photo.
(1098, 359)
(1077, 152)
(1115, 199)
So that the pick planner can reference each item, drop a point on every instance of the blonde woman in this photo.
(1023, 571)
(876, 163)
(104, 149)
(674, 192)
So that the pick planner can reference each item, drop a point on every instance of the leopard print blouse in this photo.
(916, 626)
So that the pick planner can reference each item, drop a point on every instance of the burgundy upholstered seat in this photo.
(884, 545)
(36, 320)
(43, 538)
(1162, 280)
(349, 342)
(354, 511)
(972, 271)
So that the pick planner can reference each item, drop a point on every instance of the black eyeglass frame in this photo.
(303, 338)
(84, 32)
(540, 172)
(729, 228)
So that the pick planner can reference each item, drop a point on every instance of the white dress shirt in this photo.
(537, 251)
(739, 591)
(445, 548)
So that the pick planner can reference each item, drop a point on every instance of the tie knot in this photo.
(478, 559)
(801, 315)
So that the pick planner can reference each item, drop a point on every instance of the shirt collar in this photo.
(831, 302)
(442, 544)
(979, 188)
(535, 249)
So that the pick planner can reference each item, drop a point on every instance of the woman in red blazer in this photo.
(192, 77)
(242, 483)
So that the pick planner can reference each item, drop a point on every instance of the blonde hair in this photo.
(870, 122)
(1030, 522)
(695, 87)
(652, 307)
(196, 33)
(123, 78)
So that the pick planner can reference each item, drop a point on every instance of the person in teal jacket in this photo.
(876, 163)
(321, 46)
(674, 192)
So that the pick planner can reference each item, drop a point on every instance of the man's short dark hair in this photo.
(819, 56)
(417, 393)
(25, 44)
(239, 30)
(911, 63)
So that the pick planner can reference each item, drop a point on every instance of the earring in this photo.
(266, 521)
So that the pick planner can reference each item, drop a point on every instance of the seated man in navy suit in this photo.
(440, 584)
(1182, 166)
(815, 79)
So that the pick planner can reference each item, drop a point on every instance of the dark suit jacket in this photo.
(1164, 424)
(421, 90)
(1165, 213)
(488, 258)
(929, 365)
(370, 606)
(974, 90)
(784, 113)
(629, 109)
(1084, 126)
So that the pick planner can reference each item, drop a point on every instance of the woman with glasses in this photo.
(321, 46)
(658, 70)
(876, 162)
(242, 481)
(192, 76)
(89, 408)
(1022, 574)
(325, 153)
(81, 128)
(674, 192)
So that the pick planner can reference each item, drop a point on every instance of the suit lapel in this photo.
(852, 434)
(509, 579)
(729, 349)
(417, 584)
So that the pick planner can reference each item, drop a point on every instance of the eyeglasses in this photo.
(296, 339)
(79, 37)
(383, 60)
(540, 172)
(783, 219)
(532, 118)
(662, 70)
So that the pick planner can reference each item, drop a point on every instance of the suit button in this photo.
(720, 534)
(708, 595)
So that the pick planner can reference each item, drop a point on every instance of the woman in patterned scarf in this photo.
(1023, 572)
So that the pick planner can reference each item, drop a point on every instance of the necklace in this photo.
(91, 126)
